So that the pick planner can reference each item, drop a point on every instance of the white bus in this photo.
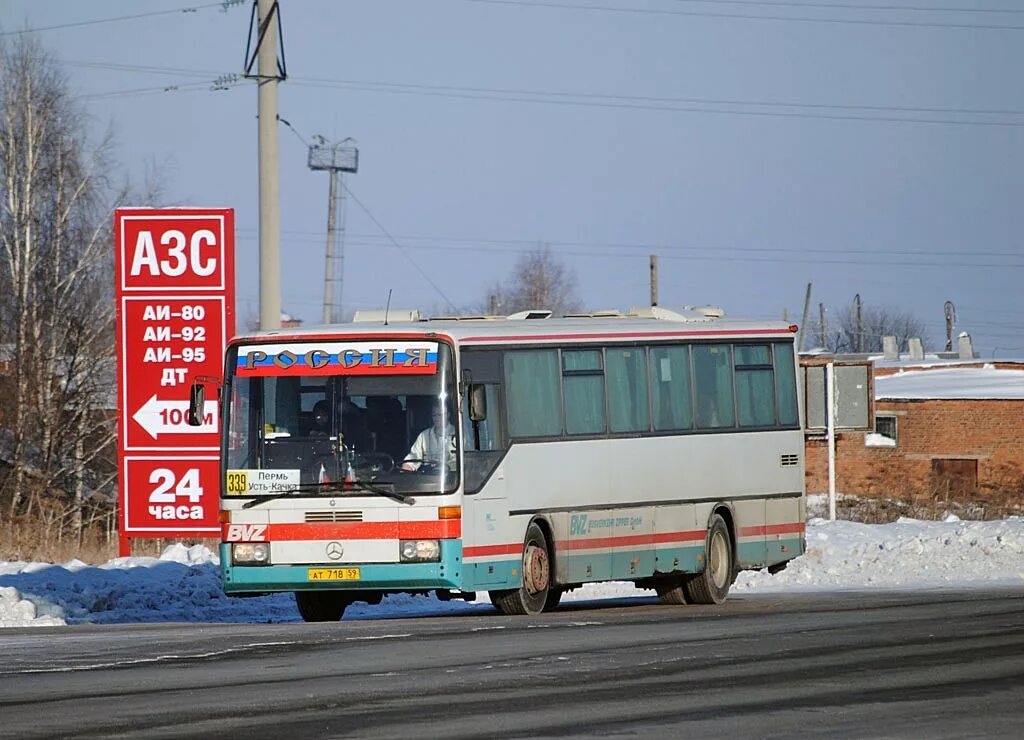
(522, 456)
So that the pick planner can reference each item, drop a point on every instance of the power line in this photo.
(621, 106)
(750, 16)
(854, 6)
(681, 104)
(185, 87)
(689, 257)
(399, 247)
(428, 92)
(300, 136)
(570, 94)
(681, 100)
(77, 24)
(519, 244)
(142, 68)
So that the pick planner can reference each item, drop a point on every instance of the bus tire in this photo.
(321, 606)
(670, 591)
(711, 585)
(532, 596)
(554, 596)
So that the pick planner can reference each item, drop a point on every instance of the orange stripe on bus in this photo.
(485, 550)
(792, 528)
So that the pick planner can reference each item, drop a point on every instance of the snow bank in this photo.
(908, 553)
(18, 612)
(183, 584)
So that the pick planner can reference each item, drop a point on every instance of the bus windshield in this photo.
(333, 417)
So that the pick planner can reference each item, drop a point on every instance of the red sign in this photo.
(175, 303)
(170, 495)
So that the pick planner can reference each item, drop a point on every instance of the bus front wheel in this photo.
(321, 606)
(537, 591)
(711, 585)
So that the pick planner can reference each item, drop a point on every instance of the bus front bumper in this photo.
(384, 577)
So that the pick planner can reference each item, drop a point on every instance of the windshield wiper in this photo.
(313, 488)
(330, 488)
(369, 486)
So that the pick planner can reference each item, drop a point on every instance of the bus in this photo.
(523, 456)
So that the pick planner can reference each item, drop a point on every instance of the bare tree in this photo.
(846, 334)
(539, 281)
(57, 318)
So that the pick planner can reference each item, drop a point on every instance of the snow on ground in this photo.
(183, 584)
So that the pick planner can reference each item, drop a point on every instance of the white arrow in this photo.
(169, 417)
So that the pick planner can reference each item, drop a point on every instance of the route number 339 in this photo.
(166, 499)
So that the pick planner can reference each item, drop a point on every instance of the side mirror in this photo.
(477, 402)
(196, 404)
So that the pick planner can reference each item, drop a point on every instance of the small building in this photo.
(940, 426)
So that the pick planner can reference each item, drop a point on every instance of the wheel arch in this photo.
(725, 511)
(549, 536)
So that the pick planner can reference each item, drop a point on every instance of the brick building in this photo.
(939, 426)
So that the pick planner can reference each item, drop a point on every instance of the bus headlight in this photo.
(419, 551)
(250, 553)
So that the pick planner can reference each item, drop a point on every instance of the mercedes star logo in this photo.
(334, 550)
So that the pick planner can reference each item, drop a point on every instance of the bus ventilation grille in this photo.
(789, 461)
(334, 516)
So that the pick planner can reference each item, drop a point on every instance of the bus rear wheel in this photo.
(537, 592)
(670, 591)
(711, 585)
(321, 606)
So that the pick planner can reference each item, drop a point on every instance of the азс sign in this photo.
(175, 308)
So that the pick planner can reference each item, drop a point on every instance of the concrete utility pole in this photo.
(654, 280)
(269, 72)
(860, 322)
(824, 326)
(335, 158)
(803, 321)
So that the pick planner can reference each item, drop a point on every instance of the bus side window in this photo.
(755, 385)
(583, 391)
(533, 393)
(785, 383)
(482, 369)
(712, 375)
(670, 388)
(627, 389)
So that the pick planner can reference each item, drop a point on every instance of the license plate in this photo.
(333, 574)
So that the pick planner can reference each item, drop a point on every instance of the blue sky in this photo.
(866, 150)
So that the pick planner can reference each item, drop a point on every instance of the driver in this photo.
(430, 443)
(321, 419)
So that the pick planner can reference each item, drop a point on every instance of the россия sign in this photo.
(174, 271)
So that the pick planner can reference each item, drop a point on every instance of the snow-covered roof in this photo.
(930, 361)
(985, 382)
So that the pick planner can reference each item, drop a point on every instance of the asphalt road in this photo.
(907, 664)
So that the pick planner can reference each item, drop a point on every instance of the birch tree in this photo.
(540, 280)
(846, 334)
(56, 319)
